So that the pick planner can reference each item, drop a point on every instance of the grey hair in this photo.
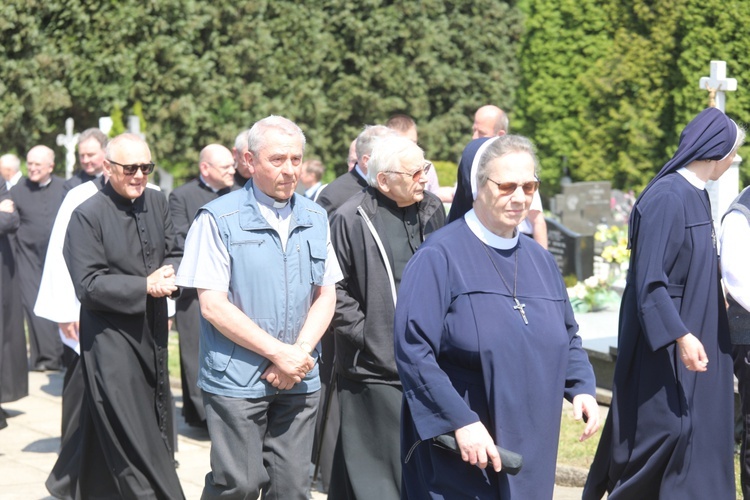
(240, 143)
(387, 154)
(256, 134)
(12, 160)
(366, 139)
(502, 146)
(93, 133)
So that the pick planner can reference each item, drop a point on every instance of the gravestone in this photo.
(582, 206)
(573, 252)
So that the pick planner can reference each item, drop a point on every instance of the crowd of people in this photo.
(358, 327)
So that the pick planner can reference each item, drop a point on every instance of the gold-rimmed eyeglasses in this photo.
(416, 174)
(507, 188)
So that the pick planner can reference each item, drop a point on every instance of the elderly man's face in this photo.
(483, 125)
(406, 184)
(240, 164)
(502, 203)
(39, 164)
(128, 152)
(218, 170)
(6, 171)
(91, 156)
(276, 167)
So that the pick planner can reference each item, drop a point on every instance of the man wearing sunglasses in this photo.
(120, 251)
(375, 233)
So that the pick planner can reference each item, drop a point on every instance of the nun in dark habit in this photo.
(669, 432)
(486, 345)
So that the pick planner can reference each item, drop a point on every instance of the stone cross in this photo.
(717, 84)
(723, 191)
(134, 126)
(69, 141)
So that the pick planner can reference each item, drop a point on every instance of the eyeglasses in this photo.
(222, 168)
(507, 188)
(146, 168)
(415, 176)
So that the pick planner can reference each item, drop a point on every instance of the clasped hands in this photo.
(288, 367)
(161, 283)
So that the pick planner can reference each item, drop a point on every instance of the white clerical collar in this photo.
(209, 186)
(42, 184)
(691, 177)
(359, 171)
(488, 237)
(267, 200)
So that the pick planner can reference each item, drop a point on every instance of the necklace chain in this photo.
(518, 305)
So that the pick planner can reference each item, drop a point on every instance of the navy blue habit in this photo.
(669, 431)
(464, 354)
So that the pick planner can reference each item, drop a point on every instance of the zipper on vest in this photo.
(286, 308)
(299, 261)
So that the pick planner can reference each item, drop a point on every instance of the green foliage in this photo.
(447, 172)
(203, 71)
(608, 86)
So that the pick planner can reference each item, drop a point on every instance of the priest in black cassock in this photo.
(120, 251)
(37, 199)
(242, 172)
(216, 166)
(669, 431)
(330, 198)
(486, 345)
(14, 373)
(91, 145)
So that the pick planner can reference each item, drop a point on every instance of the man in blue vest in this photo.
(265, 271)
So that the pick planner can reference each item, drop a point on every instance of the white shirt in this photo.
(735, 265)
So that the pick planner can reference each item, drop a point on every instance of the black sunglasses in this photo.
(146, 168)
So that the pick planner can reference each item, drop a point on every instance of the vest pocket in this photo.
(318, 253)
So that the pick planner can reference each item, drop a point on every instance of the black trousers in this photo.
(741, 354)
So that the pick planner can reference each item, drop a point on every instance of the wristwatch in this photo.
(305, 347)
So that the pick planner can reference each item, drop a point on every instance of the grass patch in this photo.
(173, 354)
(574, 453)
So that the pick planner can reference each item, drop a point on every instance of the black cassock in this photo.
(184, 203)
(37, 207)
(14, 373)
(112, 245)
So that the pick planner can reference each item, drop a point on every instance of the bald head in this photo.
(40, 161)
(217, 166)
(129, 150)
(489, 121)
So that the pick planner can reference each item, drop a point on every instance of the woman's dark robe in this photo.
(669, 432)
(464, 354)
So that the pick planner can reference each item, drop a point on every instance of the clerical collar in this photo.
(209, 186)
(691, 177)
(266, 200)
(359, 171)
(43, 184)
(488, 237)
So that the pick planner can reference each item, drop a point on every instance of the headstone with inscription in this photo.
(584, 205)
(573, 252)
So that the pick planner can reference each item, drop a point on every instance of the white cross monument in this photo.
(69, 141)
(725, 190)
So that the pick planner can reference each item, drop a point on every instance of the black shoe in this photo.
(39, 367)
(3, 422)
